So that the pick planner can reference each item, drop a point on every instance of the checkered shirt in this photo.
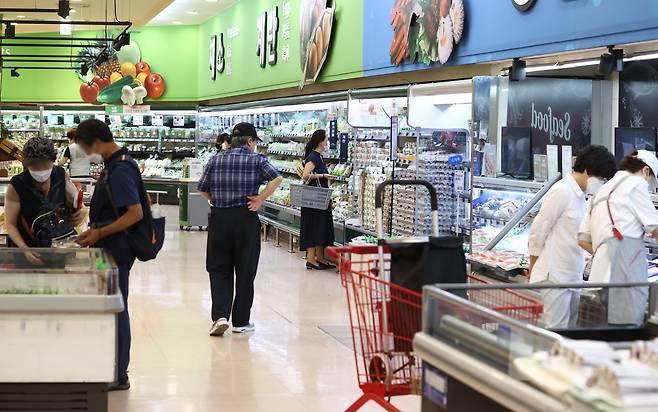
(232, 175)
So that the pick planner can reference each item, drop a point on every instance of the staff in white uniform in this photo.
(553, 246)
(613, 231)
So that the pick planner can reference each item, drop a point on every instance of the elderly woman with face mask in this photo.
(40, 188)
(613, 231)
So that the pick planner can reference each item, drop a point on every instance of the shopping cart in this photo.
(383, 319)
(506, 301)
(384, 316)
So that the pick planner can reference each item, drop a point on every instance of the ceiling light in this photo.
(211, 1)
(73, 11)
(176, 22)
(20, 16)
(192, 12)
(640, 57)
(15, 73)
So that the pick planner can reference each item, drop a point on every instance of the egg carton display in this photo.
(371, 178)
(370, 153)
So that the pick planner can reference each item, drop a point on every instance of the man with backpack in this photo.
(117, 205)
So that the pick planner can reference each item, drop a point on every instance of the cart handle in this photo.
(379, 193)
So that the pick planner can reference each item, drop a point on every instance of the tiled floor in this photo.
(288, 364)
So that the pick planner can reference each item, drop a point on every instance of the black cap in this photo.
(245, 130)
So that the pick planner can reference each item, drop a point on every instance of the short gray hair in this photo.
(39, 149)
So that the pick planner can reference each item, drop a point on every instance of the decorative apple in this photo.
(89, 92)
(155, 85)
(102, 82)
(143, 67)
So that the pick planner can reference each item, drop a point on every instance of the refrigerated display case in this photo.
(502, 214)
(482, 349)
(60, 304)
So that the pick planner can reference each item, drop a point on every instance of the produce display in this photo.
(506, 260)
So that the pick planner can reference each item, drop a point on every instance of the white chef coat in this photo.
(630, 206)
(633, 212)
(553, 236)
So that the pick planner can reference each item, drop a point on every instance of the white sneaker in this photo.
(220, 326)
(244, 329)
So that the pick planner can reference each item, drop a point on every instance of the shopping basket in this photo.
(313, 197)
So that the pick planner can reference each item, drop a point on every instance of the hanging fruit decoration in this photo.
(123, 78)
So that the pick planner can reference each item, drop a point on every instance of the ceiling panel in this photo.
(137, 11)
(190, 11)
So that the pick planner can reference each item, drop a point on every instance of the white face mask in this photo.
(593, 185)
(41, 175)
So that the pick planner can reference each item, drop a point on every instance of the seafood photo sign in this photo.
(426, 30)
(315, 25)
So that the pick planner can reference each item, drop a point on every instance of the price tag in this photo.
(100, 117)
(53, 119)
(551, 154)
(179, 121)
(460, 181)
(157, 120)
(69, 119)
(138, 120)
(567, 166)
(115, 120)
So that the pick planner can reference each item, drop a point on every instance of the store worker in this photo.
(79, 162)
(553, 246)
(613, 231)
(223, 142)
(39, 190)
(317, 226)
(109, 231)
(230, 182)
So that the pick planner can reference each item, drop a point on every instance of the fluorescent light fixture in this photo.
(176, 22)
(211, 1)
(20, 16)
(73, 11)
(560, 66)
(639, 57)
(192, 12)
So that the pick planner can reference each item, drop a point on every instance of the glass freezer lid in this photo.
(56, 272)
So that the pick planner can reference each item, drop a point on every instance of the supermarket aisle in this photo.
(289, 364)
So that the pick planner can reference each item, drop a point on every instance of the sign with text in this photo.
(157, 120)
(333, 134)
(559, 111)
(179, 121)
(343, 148)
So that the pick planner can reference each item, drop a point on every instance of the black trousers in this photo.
(232, 260)
(123, 324)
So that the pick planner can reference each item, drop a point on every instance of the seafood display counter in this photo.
(58, 326)
(503, 212)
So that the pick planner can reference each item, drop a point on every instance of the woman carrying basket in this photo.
(317, 226)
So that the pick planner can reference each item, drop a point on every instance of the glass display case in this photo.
(481, 347)
(502, 215)
(62, 304)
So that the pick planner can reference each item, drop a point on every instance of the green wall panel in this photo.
(171, 51)
(344, 60)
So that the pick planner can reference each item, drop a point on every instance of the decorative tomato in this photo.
(89, 92)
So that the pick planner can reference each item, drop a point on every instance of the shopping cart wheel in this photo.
(379, 368)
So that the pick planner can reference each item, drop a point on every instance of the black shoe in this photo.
(326, 266)
(120, 385)
(311, 266)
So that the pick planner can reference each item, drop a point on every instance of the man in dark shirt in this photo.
(109, 230)
(230, 182)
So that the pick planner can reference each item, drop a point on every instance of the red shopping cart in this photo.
(383, 318)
